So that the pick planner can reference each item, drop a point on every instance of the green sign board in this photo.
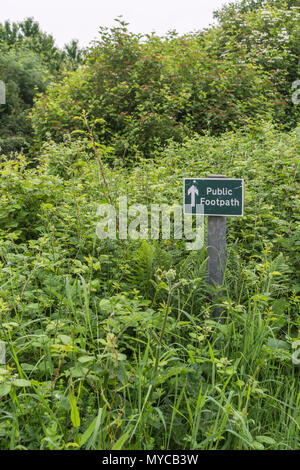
(214, 196)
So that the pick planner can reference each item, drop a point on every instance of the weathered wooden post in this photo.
(216, 251)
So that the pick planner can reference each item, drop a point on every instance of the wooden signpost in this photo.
(217, 197)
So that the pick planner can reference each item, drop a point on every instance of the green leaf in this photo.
(265, 440)
(211, 353)
(78, 131)
(75, 417)
(65, 339)
(4, 389)
(87, 434)
(120, 442)
(258, 445)
(99, 419)
(277, 344)
(85, 359)
(105, 305)
(21, 383)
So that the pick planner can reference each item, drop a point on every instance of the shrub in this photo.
(148, 92)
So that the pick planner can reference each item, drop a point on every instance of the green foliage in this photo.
(145, 91)
(148, 92)
(27, 35)
(28, 61)
(267, 35)
(23, 74)
(111, 344)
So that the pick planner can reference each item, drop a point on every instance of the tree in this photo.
(29, 59)
(23, 74)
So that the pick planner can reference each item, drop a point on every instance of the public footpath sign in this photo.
(214, 196)
(217, 197)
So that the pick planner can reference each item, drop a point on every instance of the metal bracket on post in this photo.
(216, 250)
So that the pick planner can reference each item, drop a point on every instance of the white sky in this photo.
(81, 19)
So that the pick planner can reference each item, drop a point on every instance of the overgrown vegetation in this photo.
(111, 344)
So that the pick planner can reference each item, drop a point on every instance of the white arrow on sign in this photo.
(193, 191)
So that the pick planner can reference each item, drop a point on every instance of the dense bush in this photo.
(268, 37)
(149, 91)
